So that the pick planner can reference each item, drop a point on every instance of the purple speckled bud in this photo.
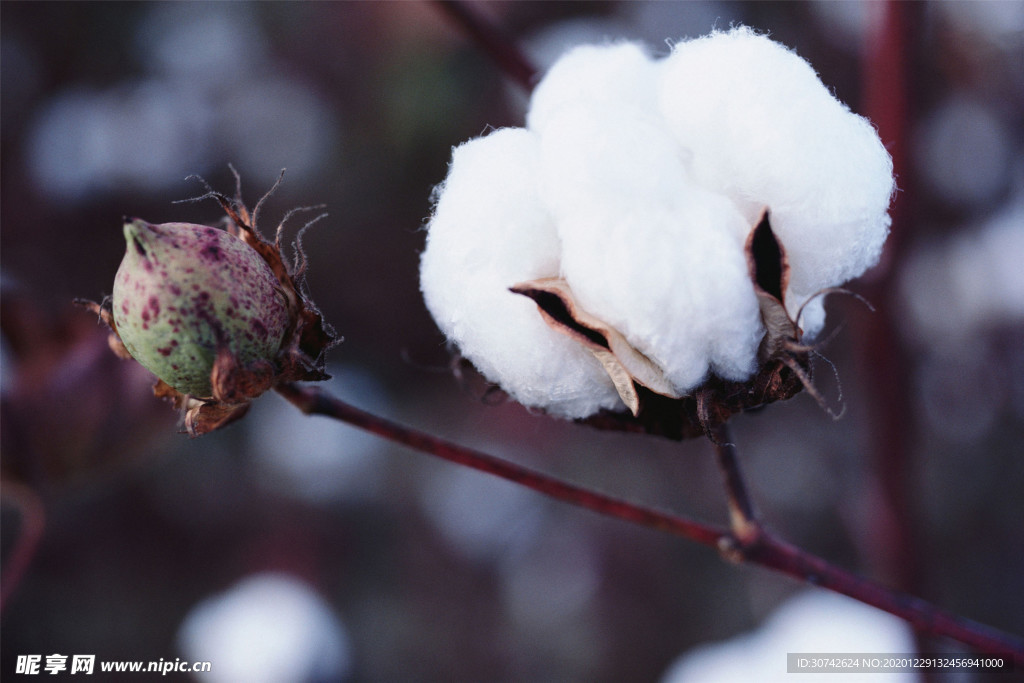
(183, 291)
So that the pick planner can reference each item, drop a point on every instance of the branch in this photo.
(313, 401)
(742, 518)
(754, 544)
(495, 44)
(32, 522)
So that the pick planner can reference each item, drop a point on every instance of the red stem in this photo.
(742, 517)
(33, 521)
(312, 401)
(758, 547)
(925, 617)
(495, 44)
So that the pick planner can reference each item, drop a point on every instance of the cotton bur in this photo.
(661, 229)
(184, 291)
(217, 314)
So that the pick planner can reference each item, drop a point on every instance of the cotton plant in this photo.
(649, 252)
(660, 228)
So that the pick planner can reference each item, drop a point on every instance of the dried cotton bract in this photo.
(623, 211)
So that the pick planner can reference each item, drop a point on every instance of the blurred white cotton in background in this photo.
(649, 20)
(551, 585)
(957, 294)
(317, 459)
(275, 121)
(963, 151)
(848, 24)
(1000, 22)
(812, 621)
(959, 288)
(961, 394)
(140, 135)
(482, 518)
(208, 43)
(207, 96)
(268, 628)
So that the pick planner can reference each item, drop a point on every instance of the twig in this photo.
(32, 522)
(742, 518)
(313, 401)
(751, 542)
(756, 546)
(504, 52)
(895, 547)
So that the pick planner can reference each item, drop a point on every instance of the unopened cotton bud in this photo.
(183, 292)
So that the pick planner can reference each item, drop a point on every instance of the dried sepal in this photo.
(200, 416)
(626, 366)
(308, 336)
(769, 271)
(102, 310)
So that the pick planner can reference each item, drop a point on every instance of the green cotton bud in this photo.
(186, 292)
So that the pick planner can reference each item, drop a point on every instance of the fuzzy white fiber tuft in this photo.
(637, 180)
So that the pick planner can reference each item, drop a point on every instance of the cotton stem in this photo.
(504, 52)
(31, 524)
(748, 541)
(742, 517)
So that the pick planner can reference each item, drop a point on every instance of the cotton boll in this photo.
(644, 249)
(489, 232)
(763, 129)
(595, 75)
(638, 181)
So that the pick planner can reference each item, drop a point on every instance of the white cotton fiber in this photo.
(765, 131)
(595, 76)
(637, 181)
(490, 231)
(641, 243)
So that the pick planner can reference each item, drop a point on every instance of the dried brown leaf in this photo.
(204, 417)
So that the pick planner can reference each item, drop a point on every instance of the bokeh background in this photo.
(294, 549)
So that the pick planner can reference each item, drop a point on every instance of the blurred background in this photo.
(288, 548)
